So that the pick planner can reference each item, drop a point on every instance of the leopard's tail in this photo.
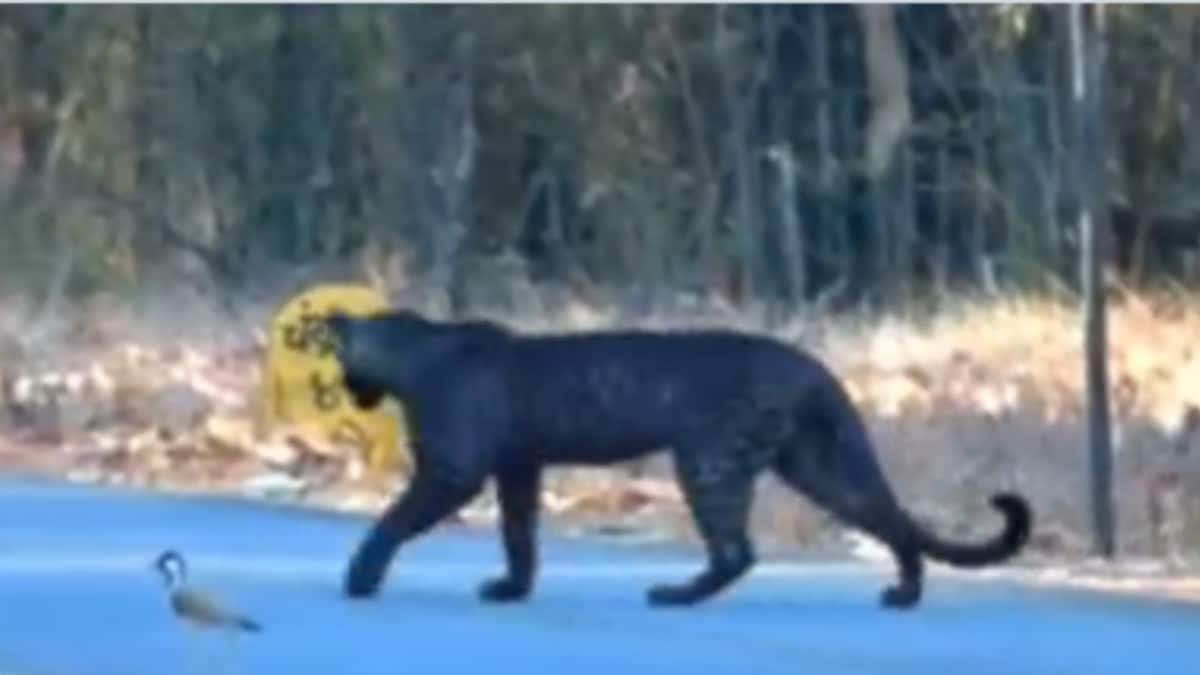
(1018, 523)
(865, 499)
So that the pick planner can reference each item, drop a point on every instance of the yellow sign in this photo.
(302, 381)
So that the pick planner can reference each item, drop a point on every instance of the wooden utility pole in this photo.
(1087, 59)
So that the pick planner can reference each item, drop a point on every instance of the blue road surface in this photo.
(77, 597)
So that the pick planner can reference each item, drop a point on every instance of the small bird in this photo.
(192, 605)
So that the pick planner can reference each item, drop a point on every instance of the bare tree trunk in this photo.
(738, 101)
(1052, 197)
(789, 264)
(148, 180)
(1087, 57)
(941, 255)
(451, 174)
(704, 223)
(977, 257)
(887, 81)
(827, 218)
(795, 271)
(746, 209)
(906, 225)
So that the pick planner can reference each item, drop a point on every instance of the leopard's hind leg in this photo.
(717, 480)
(844, 479)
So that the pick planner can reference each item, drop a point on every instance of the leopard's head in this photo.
(384, 353)
(351, 340)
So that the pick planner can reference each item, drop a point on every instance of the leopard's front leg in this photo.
(519, 491)
(434, 494)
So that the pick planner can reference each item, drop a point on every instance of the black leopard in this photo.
(486, 402)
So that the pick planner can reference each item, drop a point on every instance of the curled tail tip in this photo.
(1019, 516)
(1018, 522)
